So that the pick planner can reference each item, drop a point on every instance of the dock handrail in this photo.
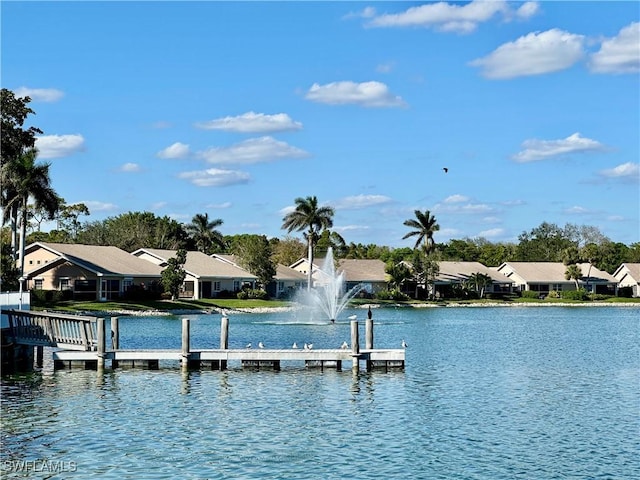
(71, 332)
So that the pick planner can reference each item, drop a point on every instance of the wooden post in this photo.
(39, 356)
(115, 333)
(355, 344)
(100, 324)
(185, 343)
(115, 338)
(368, 334)
(224, 339)
(368, 329)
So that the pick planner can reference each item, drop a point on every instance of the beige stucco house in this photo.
(628, 276)
(207, 277)
(88, 272)
(452, 273)
(285, 282)
(544, 277)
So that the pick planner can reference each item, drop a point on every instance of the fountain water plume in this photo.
(330, 296)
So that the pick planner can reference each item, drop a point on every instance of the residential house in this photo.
(285, 282)
(544, 277)
(87, 272)
(366, 273)
(628, 276)
(207, 277)
(459, 273)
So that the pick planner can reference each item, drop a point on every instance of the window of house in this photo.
(280, 286)
(65, 284)
(127, 283)
(38, 283)
(216, 286)
(236, 285)
(30, 262)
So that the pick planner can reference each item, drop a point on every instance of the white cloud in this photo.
(492, 233)
(620, 54)
(351, 228)
(219, 205)
(535, 150)
(96, 206)
(360, 201)
(161, 125)
(533, 54)
(456, 199)
(253, 150)
(130, 167)
(215, 177)
(385, 67)
(56, 146)
(462, 209)
(450, 17)
(625, 171)
(252, 122)
(158, 205)
(577, 210)
(39, 94)
(366, 94)
(367, 12)
(177, 150)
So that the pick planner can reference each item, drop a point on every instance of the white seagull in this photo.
(306, 346)
(404, 344)
(295, 345)
(353, 317)
(260, 345)
(344, 345)
(248, 345)
(310, 346)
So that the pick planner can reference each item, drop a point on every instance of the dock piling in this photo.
(185, 342)
(224, 340)
(100, 324)
(355, 344)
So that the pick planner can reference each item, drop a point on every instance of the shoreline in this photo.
(259, 310)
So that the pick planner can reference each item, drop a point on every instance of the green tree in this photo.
(254, 254)
(24, 178)
(331, 239)
(68, 217)
(309, 216)
(424, 226)
(398, 273)
(174, 274)
(134, 230)
(479, 282)
(287, 251)
(203, 232)
(545, 243)
(574, 273)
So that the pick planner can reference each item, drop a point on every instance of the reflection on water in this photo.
(494, 393)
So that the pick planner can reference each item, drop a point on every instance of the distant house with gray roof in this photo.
(207, 277)
(628, 276)
(544, 277)
(87, 272)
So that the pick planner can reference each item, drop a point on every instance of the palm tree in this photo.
(574, 273)
(203, 232)
(22, 178)
(479, 282)
(425, 226)
(309, 216)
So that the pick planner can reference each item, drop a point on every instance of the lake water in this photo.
(487, 393)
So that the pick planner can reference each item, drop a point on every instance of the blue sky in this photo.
(236, 109)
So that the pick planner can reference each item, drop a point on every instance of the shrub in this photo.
(530, 294)
(554, 294)
(580, 294)
(391, 295)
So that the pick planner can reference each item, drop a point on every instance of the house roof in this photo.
(282, 271)
(553, 272)
(101, 260)
(360, 270)
(461, 271)
(631, 269)
(200, 264)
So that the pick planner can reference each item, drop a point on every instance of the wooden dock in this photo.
(81, 342)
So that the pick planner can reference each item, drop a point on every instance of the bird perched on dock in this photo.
(404, 344)
(295, 345)
(344, 345)
(306, 346)
(260, 345)
(310, 346)
(248, 345)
